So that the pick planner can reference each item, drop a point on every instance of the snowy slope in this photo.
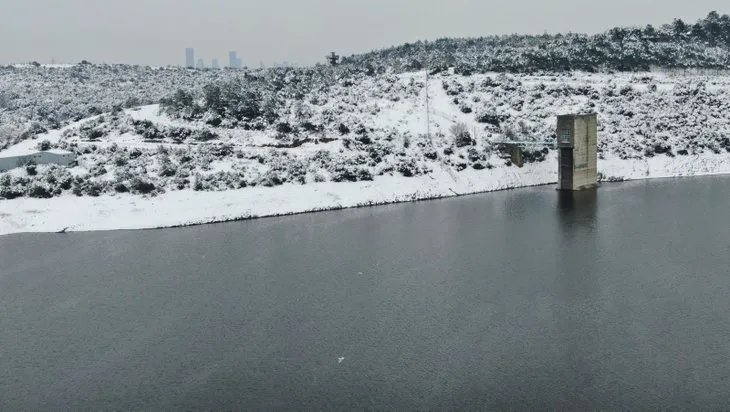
(361, 140)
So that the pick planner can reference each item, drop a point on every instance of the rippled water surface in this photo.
(615, 299)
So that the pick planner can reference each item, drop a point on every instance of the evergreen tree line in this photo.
(678, 45)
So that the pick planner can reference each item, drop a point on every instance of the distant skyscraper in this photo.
(214, 64)
(190, 58)
(233, 61)
(201, 64)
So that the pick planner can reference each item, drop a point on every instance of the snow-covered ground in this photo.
(187, 207)
(356, 140)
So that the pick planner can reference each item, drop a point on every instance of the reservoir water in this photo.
(615, 299)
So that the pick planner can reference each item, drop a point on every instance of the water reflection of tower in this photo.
(577, 211)
(578, 320)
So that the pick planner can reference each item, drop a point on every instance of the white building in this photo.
(11, 159)
(233, 61)
(190, 57)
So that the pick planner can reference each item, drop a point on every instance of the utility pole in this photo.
(428, 110)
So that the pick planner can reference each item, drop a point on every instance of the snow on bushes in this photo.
(233, 129)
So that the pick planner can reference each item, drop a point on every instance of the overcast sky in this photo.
(156, 32)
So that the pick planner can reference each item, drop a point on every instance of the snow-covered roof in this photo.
(23, 150)
(58, 151)
(49, 66)
(30, 146)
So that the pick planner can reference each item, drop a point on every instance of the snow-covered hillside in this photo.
(243, 144)
(702, 45)
(38, 98)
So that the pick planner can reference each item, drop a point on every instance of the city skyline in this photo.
(234, 61)
(190, 62)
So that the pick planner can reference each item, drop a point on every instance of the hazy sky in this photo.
(156, 32)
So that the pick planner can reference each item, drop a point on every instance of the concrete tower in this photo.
(578, 145)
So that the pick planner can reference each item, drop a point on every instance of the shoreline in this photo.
(335, 208)
(387, 203)
(178, 209)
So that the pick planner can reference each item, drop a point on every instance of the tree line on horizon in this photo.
(677, 45)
